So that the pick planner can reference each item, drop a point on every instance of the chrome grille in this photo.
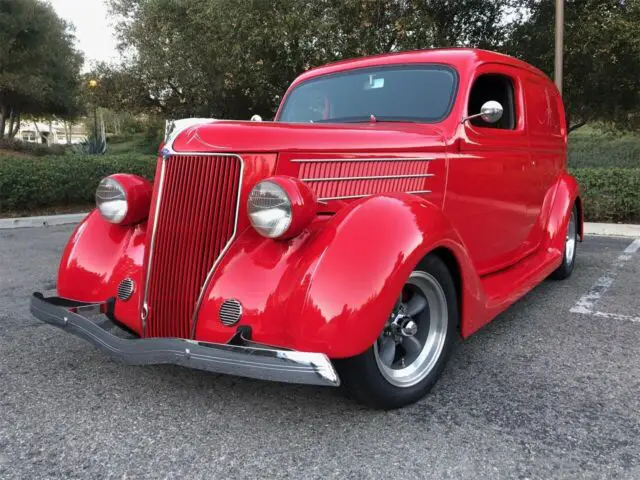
(195, 220)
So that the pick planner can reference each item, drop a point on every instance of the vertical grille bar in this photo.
(195, 222)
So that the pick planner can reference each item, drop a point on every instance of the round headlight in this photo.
(281, 207)
(111, 200)
(124, 199)
(269, 209)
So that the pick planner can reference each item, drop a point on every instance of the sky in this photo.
(94, 29)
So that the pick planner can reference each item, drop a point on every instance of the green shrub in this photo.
(92, 145)
(35, 149)
(610, 194)
(599, 150)
(153, 137)
(28, 184)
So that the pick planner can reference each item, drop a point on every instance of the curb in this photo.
(612, 229)
(41, 221)
(603, 229)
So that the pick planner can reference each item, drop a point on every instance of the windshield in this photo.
(407, 93)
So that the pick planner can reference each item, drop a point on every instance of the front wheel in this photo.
(411, 351)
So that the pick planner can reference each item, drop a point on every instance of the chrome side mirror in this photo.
(490, 112)
(256, 118)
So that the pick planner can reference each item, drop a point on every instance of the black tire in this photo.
(362, 375)
(568, 260)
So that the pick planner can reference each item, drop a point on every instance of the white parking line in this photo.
(634, 247)
(586, 304)
(616, 316)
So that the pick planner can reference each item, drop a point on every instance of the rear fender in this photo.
(330, 290)
(567, 195)
(98, 256)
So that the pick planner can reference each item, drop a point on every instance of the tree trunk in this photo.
(11, 120)
(14, 132)
(38, 135)
(50, 137)
(3, 119)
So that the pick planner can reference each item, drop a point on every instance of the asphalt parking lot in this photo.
(550, 389)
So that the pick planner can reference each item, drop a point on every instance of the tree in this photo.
(120, 88)
(602, 56)
(231, 59)
(39, 65)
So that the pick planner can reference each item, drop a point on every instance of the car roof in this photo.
(457, 57)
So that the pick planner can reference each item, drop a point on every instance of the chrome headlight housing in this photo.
(111, 200)
(269, 209)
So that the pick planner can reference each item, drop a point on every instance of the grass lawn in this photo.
(134, 144)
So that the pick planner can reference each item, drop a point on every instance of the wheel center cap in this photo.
(408, 328)
(402, 325)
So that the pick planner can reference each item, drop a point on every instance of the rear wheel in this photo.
(410, 353)
(570, 248)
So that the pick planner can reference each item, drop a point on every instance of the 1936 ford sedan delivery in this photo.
(396, 203)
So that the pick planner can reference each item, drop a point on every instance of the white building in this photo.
(50, 133)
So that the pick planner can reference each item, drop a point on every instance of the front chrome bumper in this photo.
(256, 361)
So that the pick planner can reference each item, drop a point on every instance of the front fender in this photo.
(332, 289)
(98, 256)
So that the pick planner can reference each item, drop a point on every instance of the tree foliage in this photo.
(232, 59)
(602, 56)
(39, 65)
(120, 88)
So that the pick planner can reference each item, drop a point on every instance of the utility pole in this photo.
(559, 44)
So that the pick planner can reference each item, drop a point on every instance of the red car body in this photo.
(493, 204)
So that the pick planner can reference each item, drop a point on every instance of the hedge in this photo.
(28, 184)
(610, 194)
(604, 151)
(33, 149)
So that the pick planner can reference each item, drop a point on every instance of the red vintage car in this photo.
(395, 204)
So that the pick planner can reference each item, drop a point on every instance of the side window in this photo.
(493, 87)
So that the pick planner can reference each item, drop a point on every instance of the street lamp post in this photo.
(93, 84)
(559, 44)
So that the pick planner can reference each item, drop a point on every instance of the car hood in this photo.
(236, 136)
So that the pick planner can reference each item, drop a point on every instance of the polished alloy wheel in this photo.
(570, 242)
(414, 337)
